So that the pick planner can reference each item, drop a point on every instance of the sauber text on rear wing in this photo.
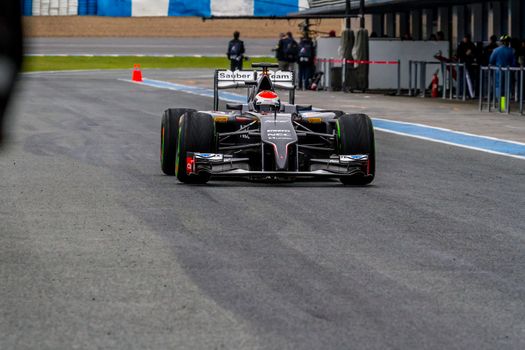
(227, 79)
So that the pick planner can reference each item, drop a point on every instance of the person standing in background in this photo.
(236, 52)
(467, 53)
(290, 50)
(279, 53)
(503, 56)
(306, 61)
(489, 49)
(521, 53)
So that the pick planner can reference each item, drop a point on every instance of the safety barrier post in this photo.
(343, 74)
(457, 81)
(464, 68)
(410, 78)
(507, 90)
(325, 77)
(480, 88)
(416, 77)
(423, 82)
(494, 95)
(398, 77)
(489, 87)
(452, 83)
(500, 87)
(521, 90)
(444, 73)
(330, 63)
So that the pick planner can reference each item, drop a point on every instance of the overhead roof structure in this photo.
(338, 7)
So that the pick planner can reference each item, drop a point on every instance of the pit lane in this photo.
(99, 249)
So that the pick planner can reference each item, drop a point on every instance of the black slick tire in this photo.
(169, 131)
(196, 134)
(356, 136)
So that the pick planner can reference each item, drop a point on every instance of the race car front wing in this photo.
(223, 165)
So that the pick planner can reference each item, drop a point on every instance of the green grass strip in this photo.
(57, 63)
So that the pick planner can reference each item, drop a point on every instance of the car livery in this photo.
(266, 138)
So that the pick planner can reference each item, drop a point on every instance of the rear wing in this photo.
(247, 79)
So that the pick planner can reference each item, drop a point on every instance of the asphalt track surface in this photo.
(99, 250)
(143, 46)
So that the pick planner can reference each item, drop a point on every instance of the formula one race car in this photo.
(266, 138)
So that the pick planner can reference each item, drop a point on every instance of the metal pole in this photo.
(362, 14)
(507, 91)
(480, 88)
(494, 95)
(423, 78)
(416, 68)
(500, 87)
(456, 84)
(343, 77)
(347, 14)
(464, 67)
(330, 63)
(444, 73)
(489, 87)
(516, 84)
(410, 78)
(521, 90)
(398, 77)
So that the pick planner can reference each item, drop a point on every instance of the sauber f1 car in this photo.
(266, 138)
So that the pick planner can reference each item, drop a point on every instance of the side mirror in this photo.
(234, 106)
(303, 108)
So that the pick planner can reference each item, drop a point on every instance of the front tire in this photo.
(169, 131)
(356, 136)
(196, 134)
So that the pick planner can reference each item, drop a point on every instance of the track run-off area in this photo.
(98, 249)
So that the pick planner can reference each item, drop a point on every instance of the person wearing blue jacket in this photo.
(503, 56)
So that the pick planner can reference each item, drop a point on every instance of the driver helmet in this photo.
(267, 101)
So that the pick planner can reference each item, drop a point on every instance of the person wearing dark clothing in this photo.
(521, 53)
(290, 51)
(279, 53)
(467, 53)
(489, 49)
(306, 61)
(236, 52)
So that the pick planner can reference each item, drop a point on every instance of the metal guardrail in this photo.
(455, 81)
(417, 76)
(503, 85)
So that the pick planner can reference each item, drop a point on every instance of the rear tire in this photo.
(196, 134)
(356, 136)
(169, 131)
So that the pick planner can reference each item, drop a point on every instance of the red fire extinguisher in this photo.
(435, 86)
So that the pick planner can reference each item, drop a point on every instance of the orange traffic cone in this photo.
(137, 74)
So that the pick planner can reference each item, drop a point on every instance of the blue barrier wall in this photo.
(274, 8)
(27, 7)
(200, 8)
(127, 8)
(114, 8)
